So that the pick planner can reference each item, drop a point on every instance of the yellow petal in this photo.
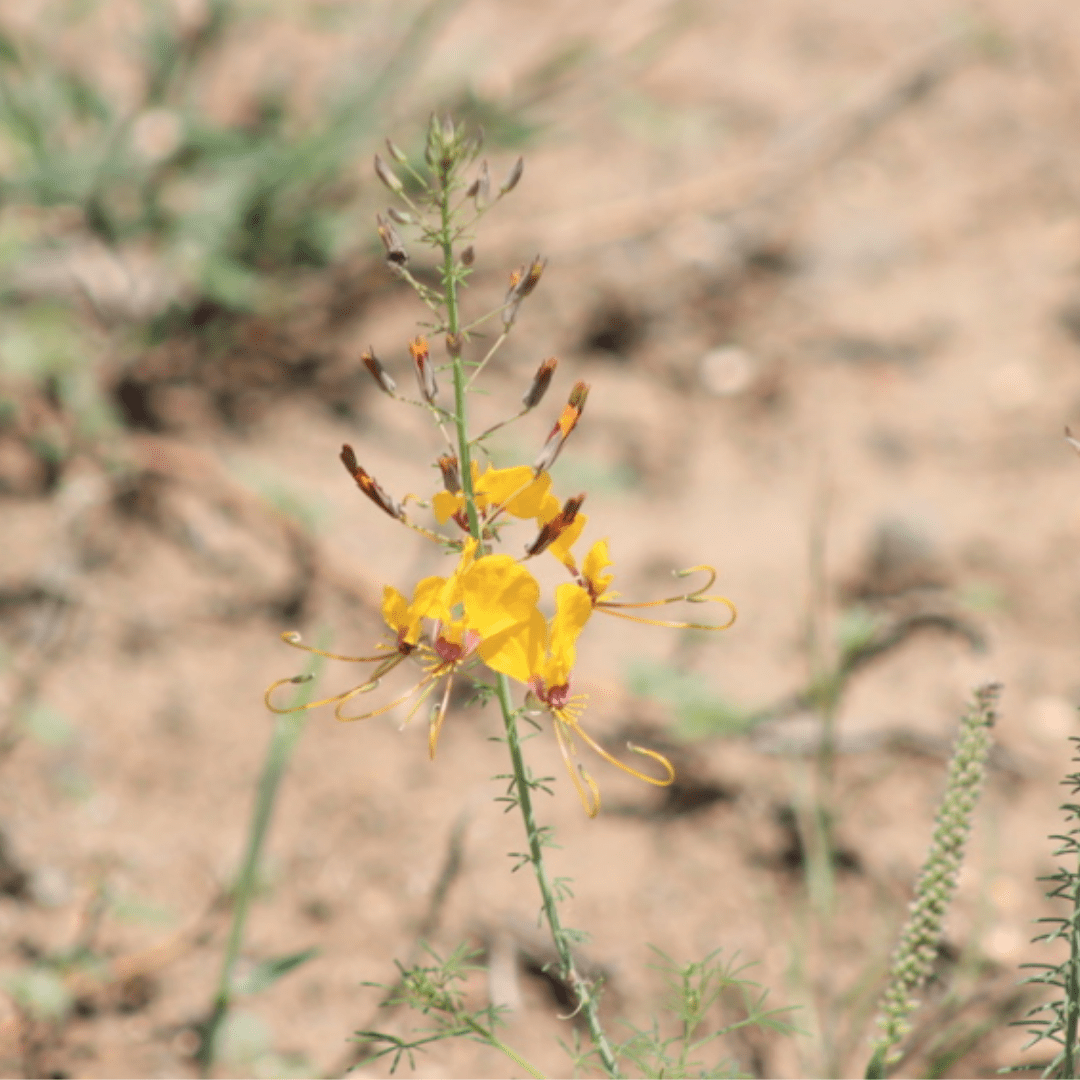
(596, 560)
(446, 505)
(517, 488)
(517, 651)
(395, 609)
(573, 606)
(549, 507)
(428, 602)
(561, 545)
(497, 593)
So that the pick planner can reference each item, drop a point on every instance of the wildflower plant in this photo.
(488, 609)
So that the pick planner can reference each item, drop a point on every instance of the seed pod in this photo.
(395, 249)
(550, 532)
(387, 176)
(378, 372)
(369, 487)
(451, 476)
(540, 383)
(511, 181)
(468, 256)
(425, 372)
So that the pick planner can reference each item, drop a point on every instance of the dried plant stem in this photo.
(287, 732)
(587, 1001)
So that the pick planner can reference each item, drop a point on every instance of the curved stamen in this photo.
(292, 637)
(363, 688)
(668, 767)
(438, 718)
(610, 607)
(590, 798)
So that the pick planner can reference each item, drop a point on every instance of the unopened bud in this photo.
(369, 487)
(451, 477)
(511, 181)
(400, 216)
(395, 249)
(378, 372)
(387, 176)
(396, 152)
(425, 372)
(566, 423)
(550, 532)
(468, 256)
(480, 188)
(540, 383)
(448, 128)
(454, 344)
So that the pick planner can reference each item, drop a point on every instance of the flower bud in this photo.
(395, 249)
(378, 372)
(387, 176)
(400, 216)
(511, 181)
(468, 256)
(540, 383)
(451, 476)
(425, 372)
(566, 423)
(369, 487)
(454, 344)
(396, 152)
(550, 532)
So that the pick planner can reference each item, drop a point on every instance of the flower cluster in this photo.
(488, 609)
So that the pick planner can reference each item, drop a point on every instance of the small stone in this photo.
(727, 371)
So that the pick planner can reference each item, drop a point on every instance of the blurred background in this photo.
(819, 264)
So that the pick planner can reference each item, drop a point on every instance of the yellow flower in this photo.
(486, 607)
(598, 583)
(517, 491)
(549, 681)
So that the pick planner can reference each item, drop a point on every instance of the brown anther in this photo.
(387, 176)
(425, 372)
(540, 383)
(378, 372)
(550, 532)
(511, 181)
(368, 485)
(395, 249)
(451, 476)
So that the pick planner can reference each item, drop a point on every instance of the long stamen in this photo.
(363, 688)
(609, 608)
(590, 799)
(438, 718)
(292, 637)
(668, 767)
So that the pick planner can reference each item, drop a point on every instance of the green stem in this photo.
(587, 1002)
(287, 732)
(453, 329)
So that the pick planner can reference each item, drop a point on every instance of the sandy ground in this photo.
(818, 264)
